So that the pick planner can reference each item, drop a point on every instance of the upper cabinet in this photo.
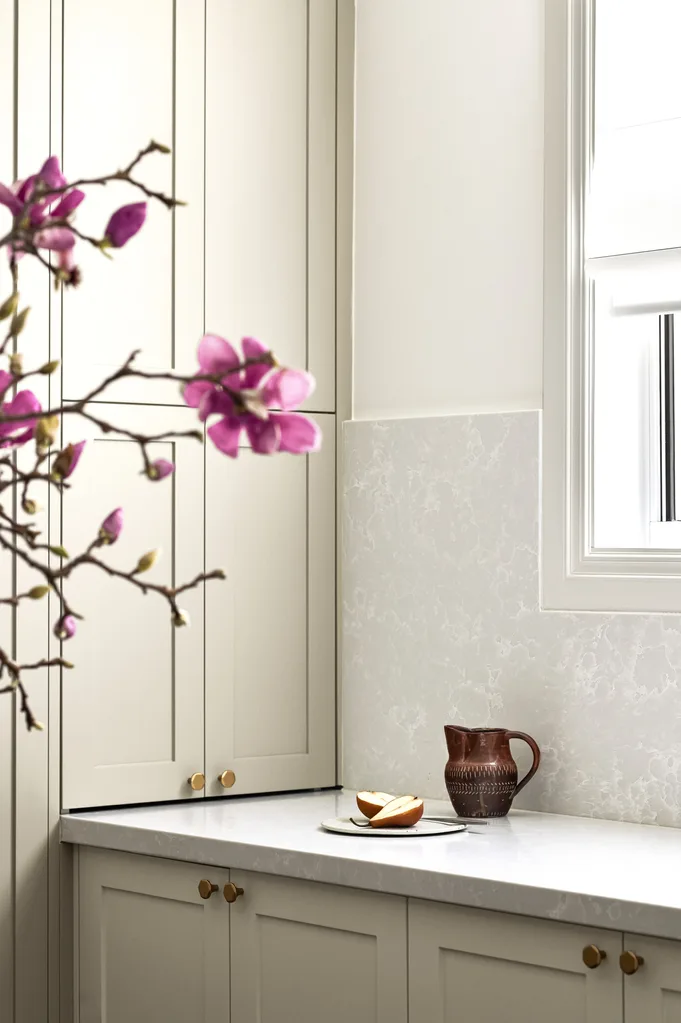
(133, 72)
(271, 180)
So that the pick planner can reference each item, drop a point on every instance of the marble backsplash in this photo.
(442, 624)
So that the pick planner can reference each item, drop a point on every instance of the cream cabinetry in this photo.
(149, 947)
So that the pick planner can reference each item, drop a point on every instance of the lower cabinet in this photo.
(268, 949)
(484, 967)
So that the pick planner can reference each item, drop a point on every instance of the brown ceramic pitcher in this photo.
(481, 775)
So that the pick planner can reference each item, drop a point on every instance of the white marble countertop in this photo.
(603, 873)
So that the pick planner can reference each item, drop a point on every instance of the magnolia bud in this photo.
(67, 460)
(65, 628)
(30, 506)
(220, 573)
(46, 431)
(111, 527)
(20, 321)
(8, 307)
(49, 367)
(160, 147)
(38, 592)
(67, 664)
(147, 561)
(16, 364)
(60, 551)
(180, 618)
(37, 726)
(159, 469)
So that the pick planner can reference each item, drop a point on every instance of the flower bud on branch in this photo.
(65, 628)
(146, 562)
(111, 527)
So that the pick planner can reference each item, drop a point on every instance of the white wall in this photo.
(448, 218)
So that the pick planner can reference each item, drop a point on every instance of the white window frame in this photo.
(575, 576)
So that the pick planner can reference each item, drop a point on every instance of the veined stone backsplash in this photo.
(442, 624)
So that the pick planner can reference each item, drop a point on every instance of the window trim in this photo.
(574, 575)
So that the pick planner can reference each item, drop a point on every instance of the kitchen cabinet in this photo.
(149, 947)
(270, 629)
(652, 994)
(271, 72)
(485, 967)
(305, 951)
(132, 721)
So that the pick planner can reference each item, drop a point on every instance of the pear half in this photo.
(402, 812)
(371, 802)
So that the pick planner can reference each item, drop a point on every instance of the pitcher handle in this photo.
(536, 758)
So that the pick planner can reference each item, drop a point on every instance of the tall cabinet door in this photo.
(133, 706)
(270, 629)
(653, 993)
(303, 952)
(150, 949)
(482, 966)
(271, 180)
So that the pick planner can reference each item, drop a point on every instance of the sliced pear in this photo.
(371, 802)
(402, 812)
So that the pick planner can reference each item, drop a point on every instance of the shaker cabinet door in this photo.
(150, 949)
(480, 966)
(653, 993)
(271, 180)
(132, 720)
(133, 72)
(270, 629)
(303, 952)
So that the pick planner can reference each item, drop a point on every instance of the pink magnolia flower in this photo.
(125, 223)
(25, 403)
(67, 460)
(112, 526)
(159, 469)
(255, 391)
(65, 628)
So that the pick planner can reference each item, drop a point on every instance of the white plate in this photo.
(344, 826)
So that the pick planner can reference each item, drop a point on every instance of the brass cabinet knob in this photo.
(630, 962)
(197, 781)
(592, 956)
(227, 779)
(231, 892)
(206, 888)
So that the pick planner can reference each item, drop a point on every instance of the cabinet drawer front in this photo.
(133, 707)
(150, 948)
(653, 993)
(306, 952)
(270, 629)
(483, 966)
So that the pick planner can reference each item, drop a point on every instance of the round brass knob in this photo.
(630, 962)
(231, 892)
(592, 956)
(227, 779)
(206, 888)
(197, 781)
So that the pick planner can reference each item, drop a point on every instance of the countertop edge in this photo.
(454, 889)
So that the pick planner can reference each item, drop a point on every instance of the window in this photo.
(611, 522)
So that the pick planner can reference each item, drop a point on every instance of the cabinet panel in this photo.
(270, 630)
(270, 179)
(653, 993)
(134, 72)
(304, 951)
(149, 947)
(133, 706)
(486, 967)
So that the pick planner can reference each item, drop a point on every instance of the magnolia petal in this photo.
(51, 174)
(10, 200)
(215, 403)
(23, 405)
(288, 388)
(6, 380)
(298, 434)
(263, 435)
(15, 442)
(194, 392)
(253, 349)
(24, 189)
(125, 223)
(68, 204)
(216, 356)
(225, 435)
(56, 239)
